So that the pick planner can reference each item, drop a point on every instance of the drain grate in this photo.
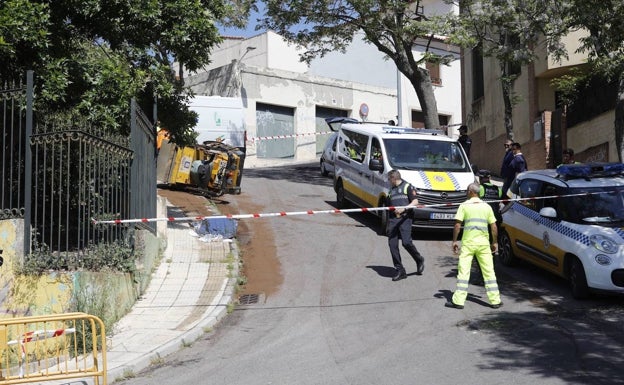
(248, 299)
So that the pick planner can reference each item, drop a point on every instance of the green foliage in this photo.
(116, 256)
(91, 57)
(570, 84)
(87, 299)
(604, 42)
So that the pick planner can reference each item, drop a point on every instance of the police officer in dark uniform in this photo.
(490, 192)
(464, 140)
(401, 194)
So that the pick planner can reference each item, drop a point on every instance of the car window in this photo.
(529, 188)
(601, 206)
(549, 192)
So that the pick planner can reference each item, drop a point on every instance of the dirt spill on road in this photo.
(255, 237)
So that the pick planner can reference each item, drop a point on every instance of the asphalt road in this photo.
(337, 318)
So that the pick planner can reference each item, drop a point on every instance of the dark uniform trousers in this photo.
(401, 227)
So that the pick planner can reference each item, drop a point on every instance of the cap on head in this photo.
(484, 173)
(463, 128)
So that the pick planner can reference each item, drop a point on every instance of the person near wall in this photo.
(401, 194)
(464, 140)
(506, 172)
(568, 157)
(518, 164)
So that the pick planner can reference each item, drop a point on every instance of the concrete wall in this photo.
(61, 292)
(304, 93)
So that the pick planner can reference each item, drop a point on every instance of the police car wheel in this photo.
(578, 281)
(505, 253)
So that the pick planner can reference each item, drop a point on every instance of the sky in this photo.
(251, 25)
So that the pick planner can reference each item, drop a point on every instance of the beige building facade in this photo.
(541, 125)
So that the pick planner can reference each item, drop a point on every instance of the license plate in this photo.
(442, 216)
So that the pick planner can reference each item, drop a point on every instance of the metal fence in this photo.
(143, 167)
(70, 173)
(12, 145)
(54, 347)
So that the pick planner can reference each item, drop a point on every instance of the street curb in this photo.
(215, 313)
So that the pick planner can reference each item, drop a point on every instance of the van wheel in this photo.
(505, 254)
(324, 171)
(340, 197)
(383, 221)
(578, 280)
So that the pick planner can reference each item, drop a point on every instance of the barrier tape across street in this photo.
(332, 211)
(272, 137)
(257, 139)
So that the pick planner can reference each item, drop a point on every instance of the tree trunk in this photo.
(619, 120)
(421, 81)
(507, 85)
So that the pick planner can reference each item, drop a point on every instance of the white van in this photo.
(219, 119)
(428, 159)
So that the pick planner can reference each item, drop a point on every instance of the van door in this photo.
(375, 182)
(352, 166)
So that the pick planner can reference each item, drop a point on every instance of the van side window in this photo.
(353, 145)
(376, 150)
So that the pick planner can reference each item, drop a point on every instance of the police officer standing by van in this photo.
(401, 194)
(488, 191)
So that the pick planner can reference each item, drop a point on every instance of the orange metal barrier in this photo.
(54, 347)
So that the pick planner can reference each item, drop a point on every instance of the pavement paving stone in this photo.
(188, 294)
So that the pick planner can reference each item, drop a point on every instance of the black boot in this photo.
(420, 262)
(399, 275)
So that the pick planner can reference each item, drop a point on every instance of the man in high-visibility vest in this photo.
(476, 215)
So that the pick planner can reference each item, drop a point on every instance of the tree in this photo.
(604, 45)
(91, 56)
(509, 31)
(391, 26)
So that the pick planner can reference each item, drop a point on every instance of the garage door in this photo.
(275, 121)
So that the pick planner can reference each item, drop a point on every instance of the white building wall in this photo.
(304, 94)
(283, 56)
(272, 73)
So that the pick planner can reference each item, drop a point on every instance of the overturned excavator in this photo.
(211, 169)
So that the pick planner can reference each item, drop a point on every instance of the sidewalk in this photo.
(188, 295)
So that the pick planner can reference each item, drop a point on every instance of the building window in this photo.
(478, 88)
(434, 73)
(418, 120)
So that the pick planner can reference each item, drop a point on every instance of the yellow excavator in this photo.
(212, 169)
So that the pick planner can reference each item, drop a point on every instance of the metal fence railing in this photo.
(58, 175)
(54, 347)
(12, 147)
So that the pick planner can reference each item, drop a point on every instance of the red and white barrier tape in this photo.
(313, 212)
(257, 139)
(39, 335)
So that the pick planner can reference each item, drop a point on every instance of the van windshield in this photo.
(414, 154)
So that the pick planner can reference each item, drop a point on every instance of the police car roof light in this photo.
(590, 170)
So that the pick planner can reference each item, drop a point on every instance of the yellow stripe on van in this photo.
(437, 180)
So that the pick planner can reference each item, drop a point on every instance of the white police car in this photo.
(569, 221)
